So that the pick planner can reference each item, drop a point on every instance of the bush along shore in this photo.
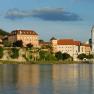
(17, 55)
(44, 62)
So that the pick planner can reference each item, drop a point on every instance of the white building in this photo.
(92, 38)
(70, 46)
(66, 46)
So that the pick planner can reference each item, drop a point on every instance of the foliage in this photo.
(3, 33)
(1, 52)
(14, 53)
(65, 56)
(18, 43)
(53, 38)
(41, 40)
(7, 44)
(42, 55)
(46, 56)
(90, 56)
(82, 56)
(62, 56)
(58, 55)
(29, 45)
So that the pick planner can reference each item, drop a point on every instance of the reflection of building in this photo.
(27, 36)
(64, 79)
(28, 75)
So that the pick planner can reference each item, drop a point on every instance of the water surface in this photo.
(47, 79)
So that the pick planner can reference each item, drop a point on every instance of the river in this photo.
(47, 79)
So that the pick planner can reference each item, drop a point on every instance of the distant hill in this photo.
(3, 33)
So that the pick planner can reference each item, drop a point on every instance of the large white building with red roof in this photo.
(70, 46)
(27, 36)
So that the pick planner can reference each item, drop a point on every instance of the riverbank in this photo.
(44, 62)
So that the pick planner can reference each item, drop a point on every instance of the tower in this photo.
(92, 39)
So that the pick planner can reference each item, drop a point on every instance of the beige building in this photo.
(27, 36)
(85, 48)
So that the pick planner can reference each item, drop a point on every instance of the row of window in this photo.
(64, 47)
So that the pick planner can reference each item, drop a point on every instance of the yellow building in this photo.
(27, 36)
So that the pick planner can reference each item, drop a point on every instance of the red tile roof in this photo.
(77, 43)
(86, 45)
(23, 32)
(68, 42)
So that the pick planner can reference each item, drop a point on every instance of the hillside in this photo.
(2, 32)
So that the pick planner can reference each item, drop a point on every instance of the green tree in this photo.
(65, 56)
(58, 55)
(3, 33)
(14, 53)
(42, 55)
(29, 45)
(1, 52)
(82, 56)
(18, 43)
(41, 40)
(50, 56)
(7, 44)
(90, 56)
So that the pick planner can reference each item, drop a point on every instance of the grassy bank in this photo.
(42, 62)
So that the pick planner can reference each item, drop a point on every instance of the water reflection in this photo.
(47, 79)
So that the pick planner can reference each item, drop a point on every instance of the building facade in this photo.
(85, 48)
(92, 39)
(27, 36)
(70, 46)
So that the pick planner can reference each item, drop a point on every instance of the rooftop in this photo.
(23, 32)
(68, 42)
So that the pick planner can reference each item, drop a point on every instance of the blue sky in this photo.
(58, 18)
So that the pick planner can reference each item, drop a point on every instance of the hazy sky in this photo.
(58, 18)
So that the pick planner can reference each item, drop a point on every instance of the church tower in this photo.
(92, 39)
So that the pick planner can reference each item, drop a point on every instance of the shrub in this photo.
(58, 55)
(65, 56)
(90, 56)
(18, 43)
(82, 56)
(7, 44)
(1, 52)
(29, 45)
(14, 53)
